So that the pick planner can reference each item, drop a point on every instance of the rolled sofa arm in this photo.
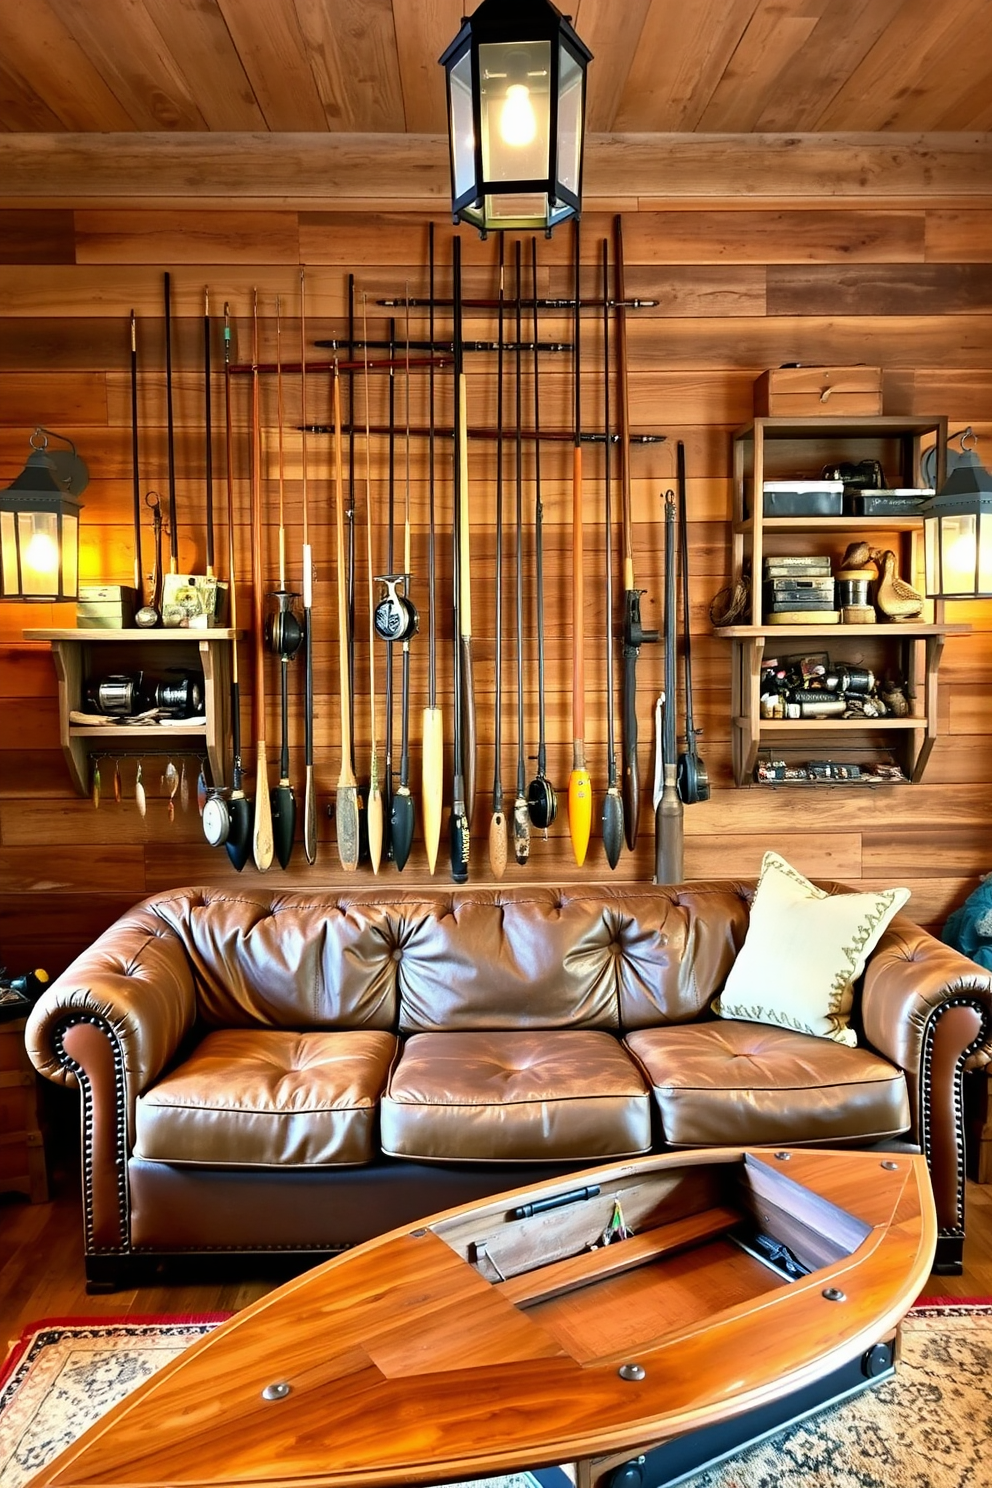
(929, 1009)
(109, 1024)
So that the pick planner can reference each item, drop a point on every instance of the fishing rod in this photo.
(541, 304)
(444, 350)
(521, 817)
(469, 748)
(549, 436)
(262, 841)
(634, 634)
(692, 777)
(579, 783)
(285, 638)
(402, 621)
(309, 789)
(542, 799)
(171, 445)
(458, 825)
(363, 838)
(146, 615)
(669, 846)
(208, 443)
(227, 820)
(433, 732)
(349, 364)
(497, 824)
(374, 811)
(612, 801)
(387, 778)
(346, 802)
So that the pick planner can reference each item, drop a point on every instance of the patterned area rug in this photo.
(929, 1427)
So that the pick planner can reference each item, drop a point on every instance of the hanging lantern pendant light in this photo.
(516, 80)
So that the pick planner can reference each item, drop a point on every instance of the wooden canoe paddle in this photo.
(346, 799)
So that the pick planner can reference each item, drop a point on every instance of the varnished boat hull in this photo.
(489, 1339)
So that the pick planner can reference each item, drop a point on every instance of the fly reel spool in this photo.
(284, 630)
(395, 617)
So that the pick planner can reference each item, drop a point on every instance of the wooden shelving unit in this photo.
(776, 447)
(82, 654)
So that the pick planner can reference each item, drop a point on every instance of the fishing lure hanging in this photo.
(139, 792)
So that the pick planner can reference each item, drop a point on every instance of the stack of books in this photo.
(799, 590)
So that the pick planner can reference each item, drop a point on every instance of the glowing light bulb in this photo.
(517, 123)
(42, 554)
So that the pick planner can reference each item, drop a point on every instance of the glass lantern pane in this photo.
(39, 539)
(8, 552)
(515, 83)
(527, 211)
(462, 131)
(957, 554)
(985, 554)
(70, 556)
(570, 111)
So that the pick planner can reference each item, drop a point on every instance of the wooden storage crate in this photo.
(802, 392)
(22, 1152)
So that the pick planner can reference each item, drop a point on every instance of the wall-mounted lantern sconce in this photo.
(39, 524)
(957, 530)
(516, 80)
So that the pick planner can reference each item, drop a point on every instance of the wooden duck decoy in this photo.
(896, 599)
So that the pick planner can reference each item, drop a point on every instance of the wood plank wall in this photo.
(740, 287)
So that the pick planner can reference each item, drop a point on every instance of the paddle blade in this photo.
(433, 783)
(521, 830)
(669, 844)
(374, 816)
(346, 826)
(310, 817)
(401, 823)
(283, 804)
(261, 841)
(238, 842)
(580, 813)
(497, 844)
(613, 825)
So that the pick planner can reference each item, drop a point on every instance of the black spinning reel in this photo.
(284, 629)
(395, 617)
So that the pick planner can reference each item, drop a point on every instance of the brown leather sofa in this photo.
(284, 1072)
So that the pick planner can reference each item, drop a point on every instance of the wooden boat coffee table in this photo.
(628, 1319)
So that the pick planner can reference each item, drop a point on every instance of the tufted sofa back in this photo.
(612, 957)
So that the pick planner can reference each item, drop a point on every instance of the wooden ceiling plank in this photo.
(354, 63)
(683, 53)
(422, 33)
(197, 36)
(55, 74)
(274, 56)
(20, 106)
(763, 55)
(896, 64)
(615, 39)
(128, 51)
(843, 36)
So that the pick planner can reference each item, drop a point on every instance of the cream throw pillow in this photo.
(803, 951)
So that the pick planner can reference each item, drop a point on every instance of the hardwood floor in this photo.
(41, 1268)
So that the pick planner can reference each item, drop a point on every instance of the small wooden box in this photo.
(799, 392)
(22, 1151)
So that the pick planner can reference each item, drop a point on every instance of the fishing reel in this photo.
(119, 696)
(284, 629)
(18, 994)
(180, 695)
(227, 823)
(395, 618)
(542, 802)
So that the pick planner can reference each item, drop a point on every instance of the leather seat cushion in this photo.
(266, 1098)
(735, 1082)
(528, 1096)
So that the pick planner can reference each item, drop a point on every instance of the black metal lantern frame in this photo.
(957, 529)
(39, 525)
(516, 85)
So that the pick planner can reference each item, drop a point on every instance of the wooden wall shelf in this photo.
(793, 447)
(82, 654)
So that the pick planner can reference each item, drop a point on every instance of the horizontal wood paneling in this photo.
(740, 287)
